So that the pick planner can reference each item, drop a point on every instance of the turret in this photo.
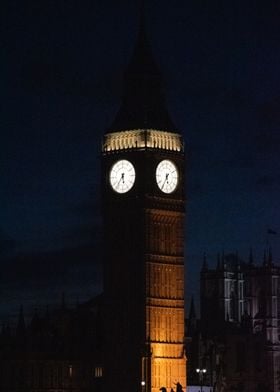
(21, 328)
(191, 325)
(251, 259)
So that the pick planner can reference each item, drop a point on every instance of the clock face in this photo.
(167, 176)
(122, 176)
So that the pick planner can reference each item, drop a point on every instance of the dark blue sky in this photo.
(61, 78)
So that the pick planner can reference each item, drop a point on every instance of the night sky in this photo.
(61, 78)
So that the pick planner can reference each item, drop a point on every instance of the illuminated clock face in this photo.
(122, 176)
(167, 176)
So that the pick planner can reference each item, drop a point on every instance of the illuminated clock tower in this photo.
(143, 209)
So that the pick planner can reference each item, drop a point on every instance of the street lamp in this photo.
(201, 373)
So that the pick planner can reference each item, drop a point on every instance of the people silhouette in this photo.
(179, 387)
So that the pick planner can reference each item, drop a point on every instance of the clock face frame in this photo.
(167, 176)
(122, 176)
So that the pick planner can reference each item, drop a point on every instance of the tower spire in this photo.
(191, 326)
(264, 258)
(224, 263)
(143, 102)
(251, 258)
(269, 256)
(20, 331)
(218, 261)
(238, 263)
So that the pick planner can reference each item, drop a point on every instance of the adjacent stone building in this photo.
(56, 351)
(237, 338)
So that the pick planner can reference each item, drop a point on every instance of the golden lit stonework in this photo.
(142, 138)
(165, 300)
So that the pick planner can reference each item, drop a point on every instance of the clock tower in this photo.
(143, 209)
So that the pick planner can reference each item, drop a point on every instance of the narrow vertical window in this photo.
(98, 372)
(70, 371)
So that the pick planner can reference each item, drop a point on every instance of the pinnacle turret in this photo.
(21, 328)
(191, 325)
(264, 258)
(251, 258)
(269, 256)
(218, 261)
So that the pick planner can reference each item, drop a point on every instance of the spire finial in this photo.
(218, 261)
(264, 257)
(21, 323)
(224, 264)
(191, 327)
(269, 256)
(251, 259)
(238, 264)
(204, 265)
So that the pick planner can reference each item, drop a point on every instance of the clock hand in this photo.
(121, 178)
(166, 180)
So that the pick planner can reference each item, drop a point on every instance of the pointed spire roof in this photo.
(143, 103)
(270, 256)
(192, 322)
(35, 321)
(218, 261)
(142, 61)
(224, 262)
(251, 258)
(237, 260)
(20, 331)
(264, 258)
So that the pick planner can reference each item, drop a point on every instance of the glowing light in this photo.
(142, 138)
(143, 383)
(200, 371)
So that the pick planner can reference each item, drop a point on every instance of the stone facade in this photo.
(239, 345)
